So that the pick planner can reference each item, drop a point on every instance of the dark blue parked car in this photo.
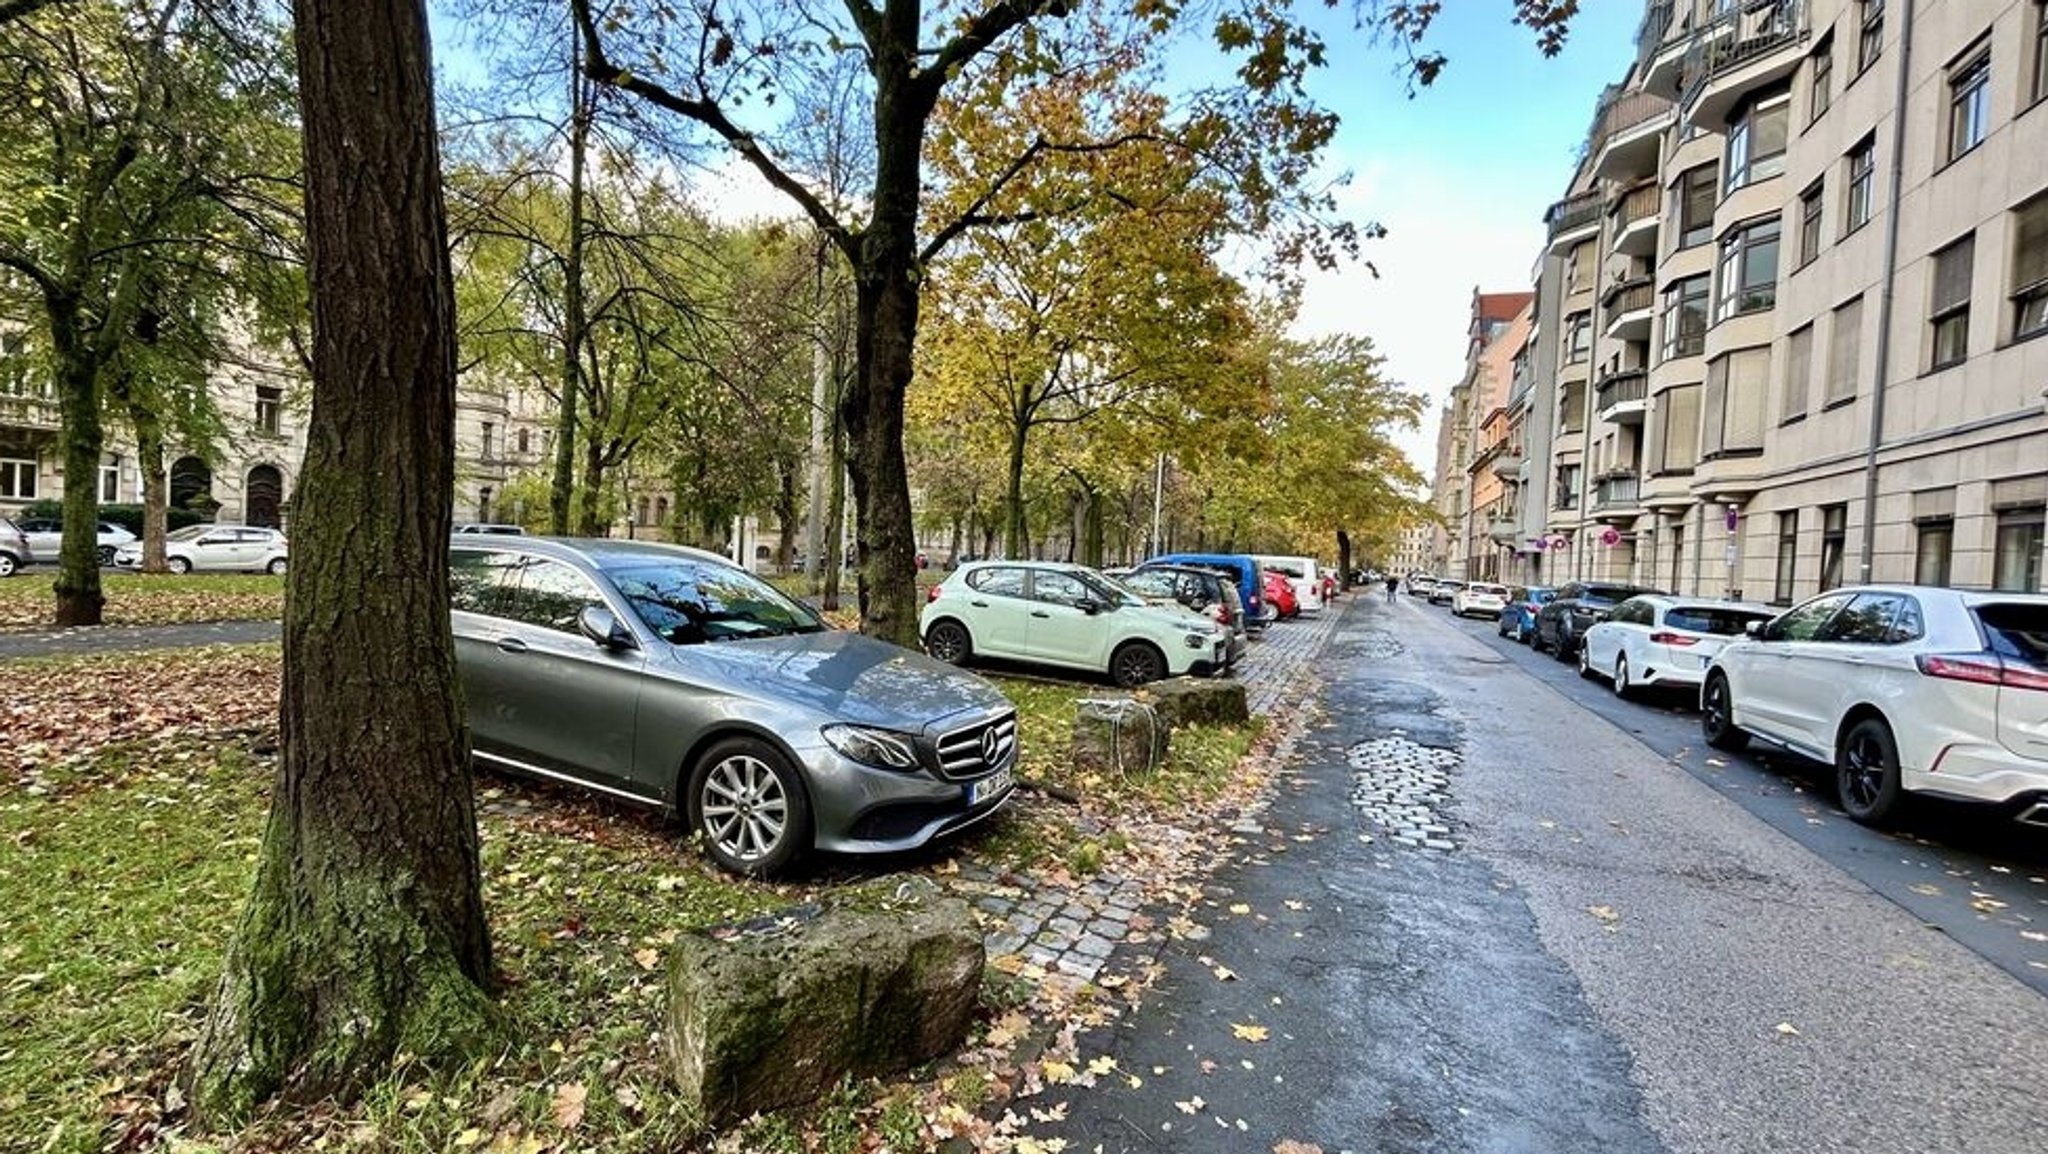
(1518, 620)
(1240, 567)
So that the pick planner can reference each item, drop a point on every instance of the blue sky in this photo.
(1460, 176)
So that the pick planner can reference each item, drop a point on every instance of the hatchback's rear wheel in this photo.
(1134, 663)
(106, 555)
(748, 802)
(1867, 772)
(1717, 717)
(276, 566)
(7, 565)
(178, 565)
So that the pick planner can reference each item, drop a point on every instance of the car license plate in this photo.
(991, 787)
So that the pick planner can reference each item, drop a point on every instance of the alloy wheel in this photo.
(745, 809)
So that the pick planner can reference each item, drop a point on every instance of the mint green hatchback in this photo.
(1069, 616)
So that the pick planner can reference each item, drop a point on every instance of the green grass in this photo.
(27, 599)
(121, 878)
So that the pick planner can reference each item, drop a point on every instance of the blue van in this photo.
(1238, 566)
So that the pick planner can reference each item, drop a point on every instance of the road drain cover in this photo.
(1404, 788)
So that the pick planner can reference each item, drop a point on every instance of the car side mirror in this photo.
(1757, 630)
(1089, 605)
(603, 627)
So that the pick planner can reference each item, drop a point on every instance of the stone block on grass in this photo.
(1118, 735)
(1198, 701)
(774, 1013)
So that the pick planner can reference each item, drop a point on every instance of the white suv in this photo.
(1066, 615)
(1906, 689)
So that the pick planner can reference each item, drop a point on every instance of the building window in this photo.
(1969, 104)
(1578, 271)
(1820, 79)
(1798, 372)
(1845, 352)
(2039, 89)
(1749, 270)
(269, 408)
(525, 441)
(1734, 402)
(1578, 338)
(1809, 223)
(1756, 141)
(1834, 536)
(110, 481)
(1685, 318)
(1862, 183)
(489, 438)
(1934, 543)
(1788, 557)
(1568, 487)
(17, 479)
(1949, 312)
(2016, 552)
(1696, 192)
(2030, 268)
(1870, 42)
(1572, 408)
(1677, 556)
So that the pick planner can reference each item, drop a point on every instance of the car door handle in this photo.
(511, 645)
(1040, 613)
(979, 604)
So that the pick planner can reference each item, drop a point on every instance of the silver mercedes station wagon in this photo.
(671, 677)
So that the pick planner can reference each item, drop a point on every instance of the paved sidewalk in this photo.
(130, 638)
(1075, 934)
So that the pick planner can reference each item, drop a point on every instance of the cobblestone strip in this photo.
(1404, 789)
(1073, 933)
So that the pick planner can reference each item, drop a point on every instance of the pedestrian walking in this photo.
(1393, 583)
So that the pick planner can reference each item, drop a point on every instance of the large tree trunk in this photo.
(156, 494)
(1015, 534)
(79, 600)
(1343, 559)
(787, 509)
(365, 935)
(590, 503)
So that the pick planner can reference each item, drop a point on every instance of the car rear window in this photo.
(2016, 630)
(1611, 594)
(1712, 619)
(1495, 590)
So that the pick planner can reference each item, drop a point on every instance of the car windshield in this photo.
(1112, 591)
(691, 601)
(1712, 619)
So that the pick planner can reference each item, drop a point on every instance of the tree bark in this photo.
(590, 500)
(79, 599)
(365, 935)
(835, 517)
(1015, 533)
(572, 303)
(1343, 560)
(156, 489)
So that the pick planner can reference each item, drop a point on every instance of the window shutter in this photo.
(1748, 387)
(2030, 254)
(1682, 427)
(1715, 404)
(1845, 345)
(1952, 275)
(1798, 370)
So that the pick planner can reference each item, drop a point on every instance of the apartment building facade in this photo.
(1472, 427)
(1790, 318)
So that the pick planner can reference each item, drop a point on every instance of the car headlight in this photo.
(877, 747)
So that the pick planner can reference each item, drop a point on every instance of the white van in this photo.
(1303, 574)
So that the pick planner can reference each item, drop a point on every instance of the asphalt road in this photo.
(1976, 876)
(1569, 945)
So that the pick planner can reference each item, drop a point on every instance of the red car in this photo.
(1280, 594)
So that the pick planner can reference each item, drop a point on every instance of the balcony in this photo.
(1573, 215)
(1743, 47)
(23, 412)
(1508, 464)
(1504, 528)
(1615, 496)
(1622, 398)
(1636, 216)
(1626, 307)
(1626, 134)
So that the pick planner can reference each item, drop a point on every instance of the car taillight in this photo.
(1662, 638)
(1981, 668)
(932, 594)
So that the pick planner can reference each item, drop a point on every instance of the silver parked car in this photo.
(14, 548)
(673, 678)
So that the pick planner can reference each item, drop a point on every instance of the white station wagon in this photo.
(1070, 616)
(1905, 688)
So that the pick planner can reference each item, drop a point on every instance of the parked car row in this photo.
(195, 547)
(1904, 689)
